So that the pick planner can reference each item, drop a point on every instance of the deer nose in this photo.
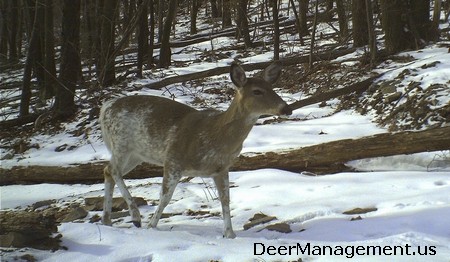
(287, 110)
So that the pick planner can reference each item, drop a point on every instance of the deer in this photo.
(183, 140)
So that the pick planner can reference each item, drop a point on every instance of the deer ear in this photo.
(272, 72)
(237, 75)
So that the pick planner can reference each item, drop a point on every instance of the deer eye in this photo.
(258, 92)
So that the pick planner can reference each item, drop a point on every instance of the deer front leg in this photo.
(223, 187)
(170, 181)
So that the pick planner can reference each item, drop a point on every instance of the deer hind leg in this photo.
(107, 201)
(117, 173)
(170, 181)
(223, 187)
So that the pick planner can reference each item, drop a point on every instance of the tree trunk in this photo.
(437, 12)
(195, 6)
(446, 11)
(359, 20)
(20, 26)
(276, 30)
(214, 10)
(90, 47)
(393, 26)
(3, 31)
(29, 63)
(261, 11)
(420, 24)
(313, 35)
(297, 22)
(129, 11)
(242, 23)
(39, 60)
(70, 60)
(303, 7)
(161, 9)
(406, 25)
(152, 33)
(342, 19)
(324, 158)
(329, 10)
(372, 36)
(226, 13)
(165, 52)
(108, 11)
(142, 36)
(48, 89)
(12, 26)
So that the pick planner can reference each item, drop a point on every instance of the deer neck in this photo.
(237, 121)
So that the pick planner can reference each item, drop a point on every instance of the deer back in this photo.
(141, 125)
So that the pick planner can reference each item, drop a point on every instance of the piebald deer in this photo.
(187, 142)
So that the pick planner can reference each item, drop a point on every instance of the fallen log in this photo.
(331, 157)
(28, 229)
(83, 173)
(20, 121)
(327, 55)
(211, 34)
(324, 158)
(358, 87)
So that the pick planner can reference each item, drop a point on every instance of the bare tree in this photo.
(152, 32)
(422, 28)
(31, 57)
(226, 13)
(328, 10)
(3, 31)
(195, 6)
(165, 55)
(342, 19)
(437, 12)
(297, 21)
(359, 20)
(70, 60)
(43, 60)
(303, 11)
(142, 36)
(90, 39)
(242, 22)
(372, 36)
(412, 16)
(313, 35)
(161, 11)
(276, 30)
(106, 64)
(11, 26)
(214, 9)
(47, 89)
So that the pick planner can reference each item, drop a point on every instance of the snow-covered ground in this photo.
(411, 219)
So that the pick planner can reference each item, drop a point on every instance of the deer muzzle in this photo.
(286, 110)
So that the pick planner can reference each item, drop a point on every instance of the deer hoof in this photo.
(137, 223)
(106, 222)
(229, 234)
